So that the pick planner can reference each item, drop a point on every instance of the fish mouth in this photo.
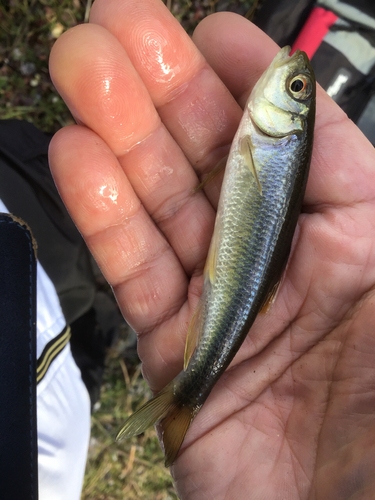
(284, 58)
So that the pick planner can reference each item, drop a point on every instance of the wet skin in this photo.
(293, 417)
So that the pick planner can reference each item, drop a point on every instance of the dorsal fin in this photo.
(210, 265)
(194, 332)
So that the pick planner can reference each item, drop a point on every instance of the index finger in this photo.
(191, 100)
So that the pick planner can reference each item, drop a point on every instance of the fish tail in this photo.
(174, 416)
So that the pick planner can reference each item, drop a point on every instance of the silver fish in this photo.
(260, 201)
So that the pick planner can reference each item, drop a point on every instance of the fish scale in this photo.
(260, 227)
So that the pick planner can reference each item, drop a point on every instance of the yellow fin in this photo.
(270, 299)
(245, 150)
(148, 414)
(175, 419)
(174, 428)
(210, 265)
(194, 332)
(219, 167)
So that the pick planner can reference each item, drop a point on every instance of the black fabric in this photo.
(88, 348)
(282, 20)
(327, 63)
(28, 190)
(92, 334)
(18, 430)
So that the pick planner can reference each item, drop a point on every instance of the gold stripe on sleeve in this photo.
(50, 352)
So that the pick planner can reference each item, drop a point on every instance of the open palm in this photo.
(293, 417)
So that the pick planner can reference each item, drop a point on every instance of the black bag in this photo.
(18, 436)
(28, 191)
(339, 38)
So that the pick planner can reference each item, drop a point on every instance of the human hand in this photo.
(293, 416)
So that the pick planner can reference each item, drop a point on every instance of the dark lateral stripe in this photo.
(50, 352)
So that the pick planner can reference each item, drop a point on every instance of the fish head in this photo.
(284, 97)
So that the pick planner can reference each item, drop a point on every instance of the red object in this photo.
(315, 29)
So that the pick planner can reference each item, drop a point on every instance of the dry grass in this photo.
(133, 469)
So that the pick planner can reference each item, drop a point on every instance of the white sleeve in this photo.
(63, 403)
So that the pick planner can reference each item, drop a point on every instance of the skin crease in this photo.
(293, 417)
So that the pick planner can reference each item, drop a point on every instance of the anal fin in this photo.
(196, 325)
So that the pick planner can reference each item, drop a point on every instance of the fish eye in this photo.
(297, 85)
(300, 87)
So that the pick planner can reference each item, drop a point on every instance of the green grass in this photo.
(28, 29)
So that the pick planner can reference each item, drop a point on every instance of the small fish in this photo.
(260, 201)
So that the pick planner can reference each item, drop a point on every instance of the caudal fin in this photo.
(175, 419)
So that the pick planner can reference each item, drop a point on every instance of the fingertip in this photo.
(93, 74)
(158, 46)
(236, 49)
(90, 180)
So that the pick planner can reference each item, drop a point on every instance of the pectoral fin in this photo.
(245, 150)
